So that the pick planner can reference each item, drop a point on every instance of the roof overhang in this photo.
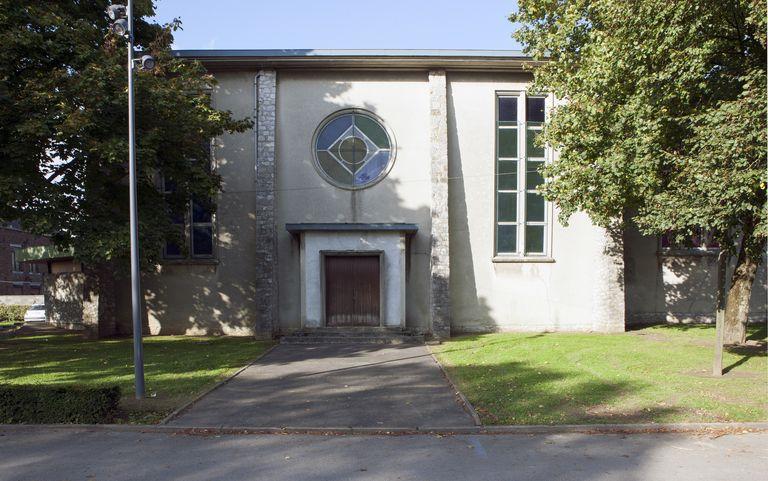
(298, 229)
(478, 60)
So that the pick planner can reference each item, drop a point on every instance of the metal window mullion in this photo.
(548, 229)
(521, 166)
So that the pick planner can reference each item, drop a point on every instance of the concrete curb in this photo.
(677, 428)
(466, 404)
(189, 404)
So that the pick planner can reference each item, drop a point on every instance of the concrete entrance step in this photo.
(362, 335)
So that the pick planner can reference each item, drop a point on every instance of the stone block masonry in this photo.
(440, 271)
(266, 233)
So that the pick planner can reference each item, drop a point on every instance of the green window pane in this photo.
(506, 206)
(507, 175)
(534, 207)
(507, 142)
(532, 148)
(372, 130)
(534, 239)
(506, 239)
(333, 168)
(533, 177)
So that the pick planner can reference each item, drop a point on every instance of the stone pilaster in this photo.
(266, 230)
(439, 299)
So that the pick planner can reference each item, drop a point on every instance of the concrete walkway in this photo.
(334, 386)
(47, 454)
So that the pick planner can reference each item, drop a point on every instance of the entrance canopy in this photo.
(296, 229)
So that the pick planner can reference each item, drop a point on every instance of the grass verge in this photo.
(176, 367)
(657, 374)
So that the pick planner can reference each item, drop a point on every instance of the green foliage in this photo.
(49, 405)
(12, 313)
(665, 111)
(63, 127)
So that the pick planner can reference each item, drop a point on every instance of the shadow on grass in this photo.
(517, 393)
(175, 367)
(705, 337)
(755, 331)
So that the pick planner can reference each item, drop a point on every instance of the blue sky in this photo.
(270, 24)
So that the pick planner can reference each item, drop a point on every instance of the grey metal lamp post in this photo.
(122, 18)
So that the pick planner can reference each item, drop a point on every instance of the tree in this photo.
(63, 128)
(664, 116)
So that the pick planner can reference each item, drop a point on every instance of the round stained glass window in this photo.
(353, 149)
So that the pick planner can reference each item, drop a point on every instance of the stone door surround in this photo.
(385, 240)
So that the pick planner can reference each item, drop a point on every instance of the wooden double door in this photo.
(352, 290)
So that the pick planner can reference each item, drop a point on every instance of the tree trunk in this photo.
(737, 308)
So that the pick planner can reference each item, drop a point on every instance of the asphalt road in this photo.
(41, 454)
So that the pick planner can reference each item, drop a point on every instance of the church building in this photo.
(399, 189)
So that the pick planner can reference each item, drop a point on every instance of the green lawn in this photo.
(656, 374)
(176, 367)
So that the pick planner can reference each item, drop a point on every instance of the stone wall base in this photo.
(81, 301)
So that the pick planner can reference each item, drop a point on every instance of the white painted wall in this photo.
(580, 290)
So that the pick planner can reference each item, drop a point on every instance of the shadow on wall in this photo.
(678, 288)
(219, 297)
(466, 304)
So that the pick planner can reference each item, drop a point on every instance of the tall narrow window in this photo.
(521, 212)
(194, 227)
(507, 176)
(194, 222)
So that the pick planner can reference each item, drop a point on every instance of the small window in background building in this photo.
(701, 240)
(15, 264)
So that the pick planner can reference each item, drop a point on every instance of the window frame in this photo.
(521, 189)
(191, 231)
(365, 113)
(16, 267)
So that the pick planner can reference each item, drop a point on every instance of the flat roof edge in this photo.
(297, 228)
(423, 59)
(349, 53)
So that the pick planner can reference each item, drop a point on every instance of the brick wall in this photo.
(26, 282)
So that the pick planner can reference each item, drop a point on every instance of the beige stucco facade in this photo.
(581, 284)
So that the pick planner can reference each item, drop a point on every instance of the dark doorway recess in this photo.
(352, 290)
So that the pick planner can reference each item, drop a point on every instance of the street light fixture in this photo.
(122, 25)
(146, 62)
(115, 12)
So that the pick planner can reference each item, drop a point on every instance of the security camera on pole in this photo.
(122, 25)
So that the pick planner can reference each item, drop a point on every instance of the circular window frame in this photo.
(392, 148)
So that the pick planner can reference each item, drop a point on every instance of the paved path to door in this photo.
(334, 386)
